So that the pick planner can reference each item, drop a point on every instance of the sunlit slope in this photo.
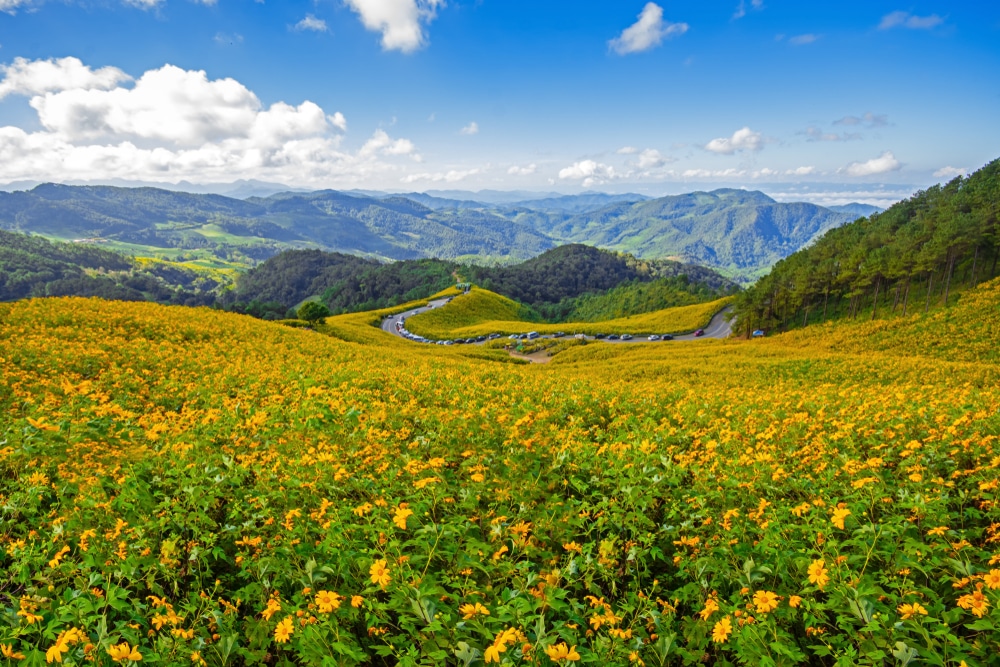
(160, 464)
(483, 312)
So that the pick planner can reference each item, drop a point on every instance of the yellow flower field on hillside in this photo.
(185, 486)
(482, 312)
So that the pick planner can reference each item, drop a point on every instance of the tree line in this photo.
(912, 257)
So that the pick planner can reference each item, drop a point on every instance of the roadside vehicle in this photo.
(699, 333)
(666, 337)
(600, 336)
(613, 337)
(580, 336)
(758, 333)
(559, 334)
(532, 335)
(626, 336)
(513, 337)
(654, 337)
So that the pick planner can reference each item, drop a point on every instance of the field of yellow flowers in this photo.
(191, 487)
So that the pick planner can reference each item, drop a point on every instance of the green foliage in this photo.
(636, 297)
(913, 256)
(33, 266)
(311, 311)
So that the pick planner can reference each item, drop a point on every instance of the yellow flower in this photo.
(794, 601)
(975, 602)
(357, 601)
(722, 630)
(561, 651)
(817, 573)
(399, 518)
(196, 658)
(470, 611)
(992, 580)
(122, 652)
(7, 650)
(380, 573)
(765, 601)
(838, 517)
(328, 601)
(284, 630)
(711, 606)
(908, 611)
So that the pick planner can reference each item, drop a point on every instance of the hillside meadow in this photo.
(481, 312)
(191, 487)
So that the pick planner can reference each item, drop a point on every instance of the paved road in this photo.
(717, 327)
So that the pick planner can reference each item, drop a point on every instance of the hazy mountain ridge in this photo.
(739, 231)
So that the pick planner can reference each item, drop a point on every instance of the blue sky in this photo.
(790, 97)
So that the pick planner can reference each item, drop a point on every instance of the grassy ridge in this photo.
(483, 312)
(206, 486)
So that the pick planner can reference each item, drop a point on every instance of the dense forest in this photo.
(33, 266)
(912, 257)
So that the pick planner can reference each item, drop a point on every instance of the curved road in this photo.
(717, 327)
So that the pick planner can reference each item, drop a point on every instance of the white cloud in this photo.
(589, 171)
(901, 19)
(802, 40)
(649, 31)
(523, 171)
(144, 4)
(627, 150)
(470, 129)
(800, 171)
(741, 11)
(765, 173)
(338, 121)
(816, 134)
(452, 176)
(743, 139)
(950, 172)
(24, 77)
(175, 124)
(310, 22)
(651, 158)
(11, 6)
(401, 22)
(708, 173)
(869, 119)
(883, 164)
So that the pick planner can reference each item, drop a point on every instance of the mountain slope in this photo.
(732, 229)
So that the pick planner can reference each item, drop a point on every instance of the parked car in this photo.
(613, 337)
(532, 335)
(758, 333)
(699, 333)
(666, 337)
(600, 336)
(626, 336)
(580, 336)
(513, 337)
(654, 337)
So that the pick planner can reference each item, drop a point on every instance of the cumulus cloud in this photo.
(470, 129)
(627, 150)
(649, 31)
(523, 171)
(651, 159)
(589, 172)
(34, 77)
(800, 171)
(147, 4)
(950, 172)
(743, 139)
(802, 40)
(868, 120)
(883, 164)
(452, 176)
(173, 124)
(401, 22)
(310, 22)
(901, 19)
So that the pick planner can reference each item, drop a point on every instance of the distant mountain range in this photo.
(734, 230)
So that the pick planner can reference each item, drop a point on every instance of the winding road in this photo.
(718, 326)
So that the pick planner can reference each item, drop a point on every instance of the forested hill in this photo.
(549, 283)
(914, 256)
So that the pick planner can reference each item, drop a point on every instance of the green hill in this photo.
(913, 257)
